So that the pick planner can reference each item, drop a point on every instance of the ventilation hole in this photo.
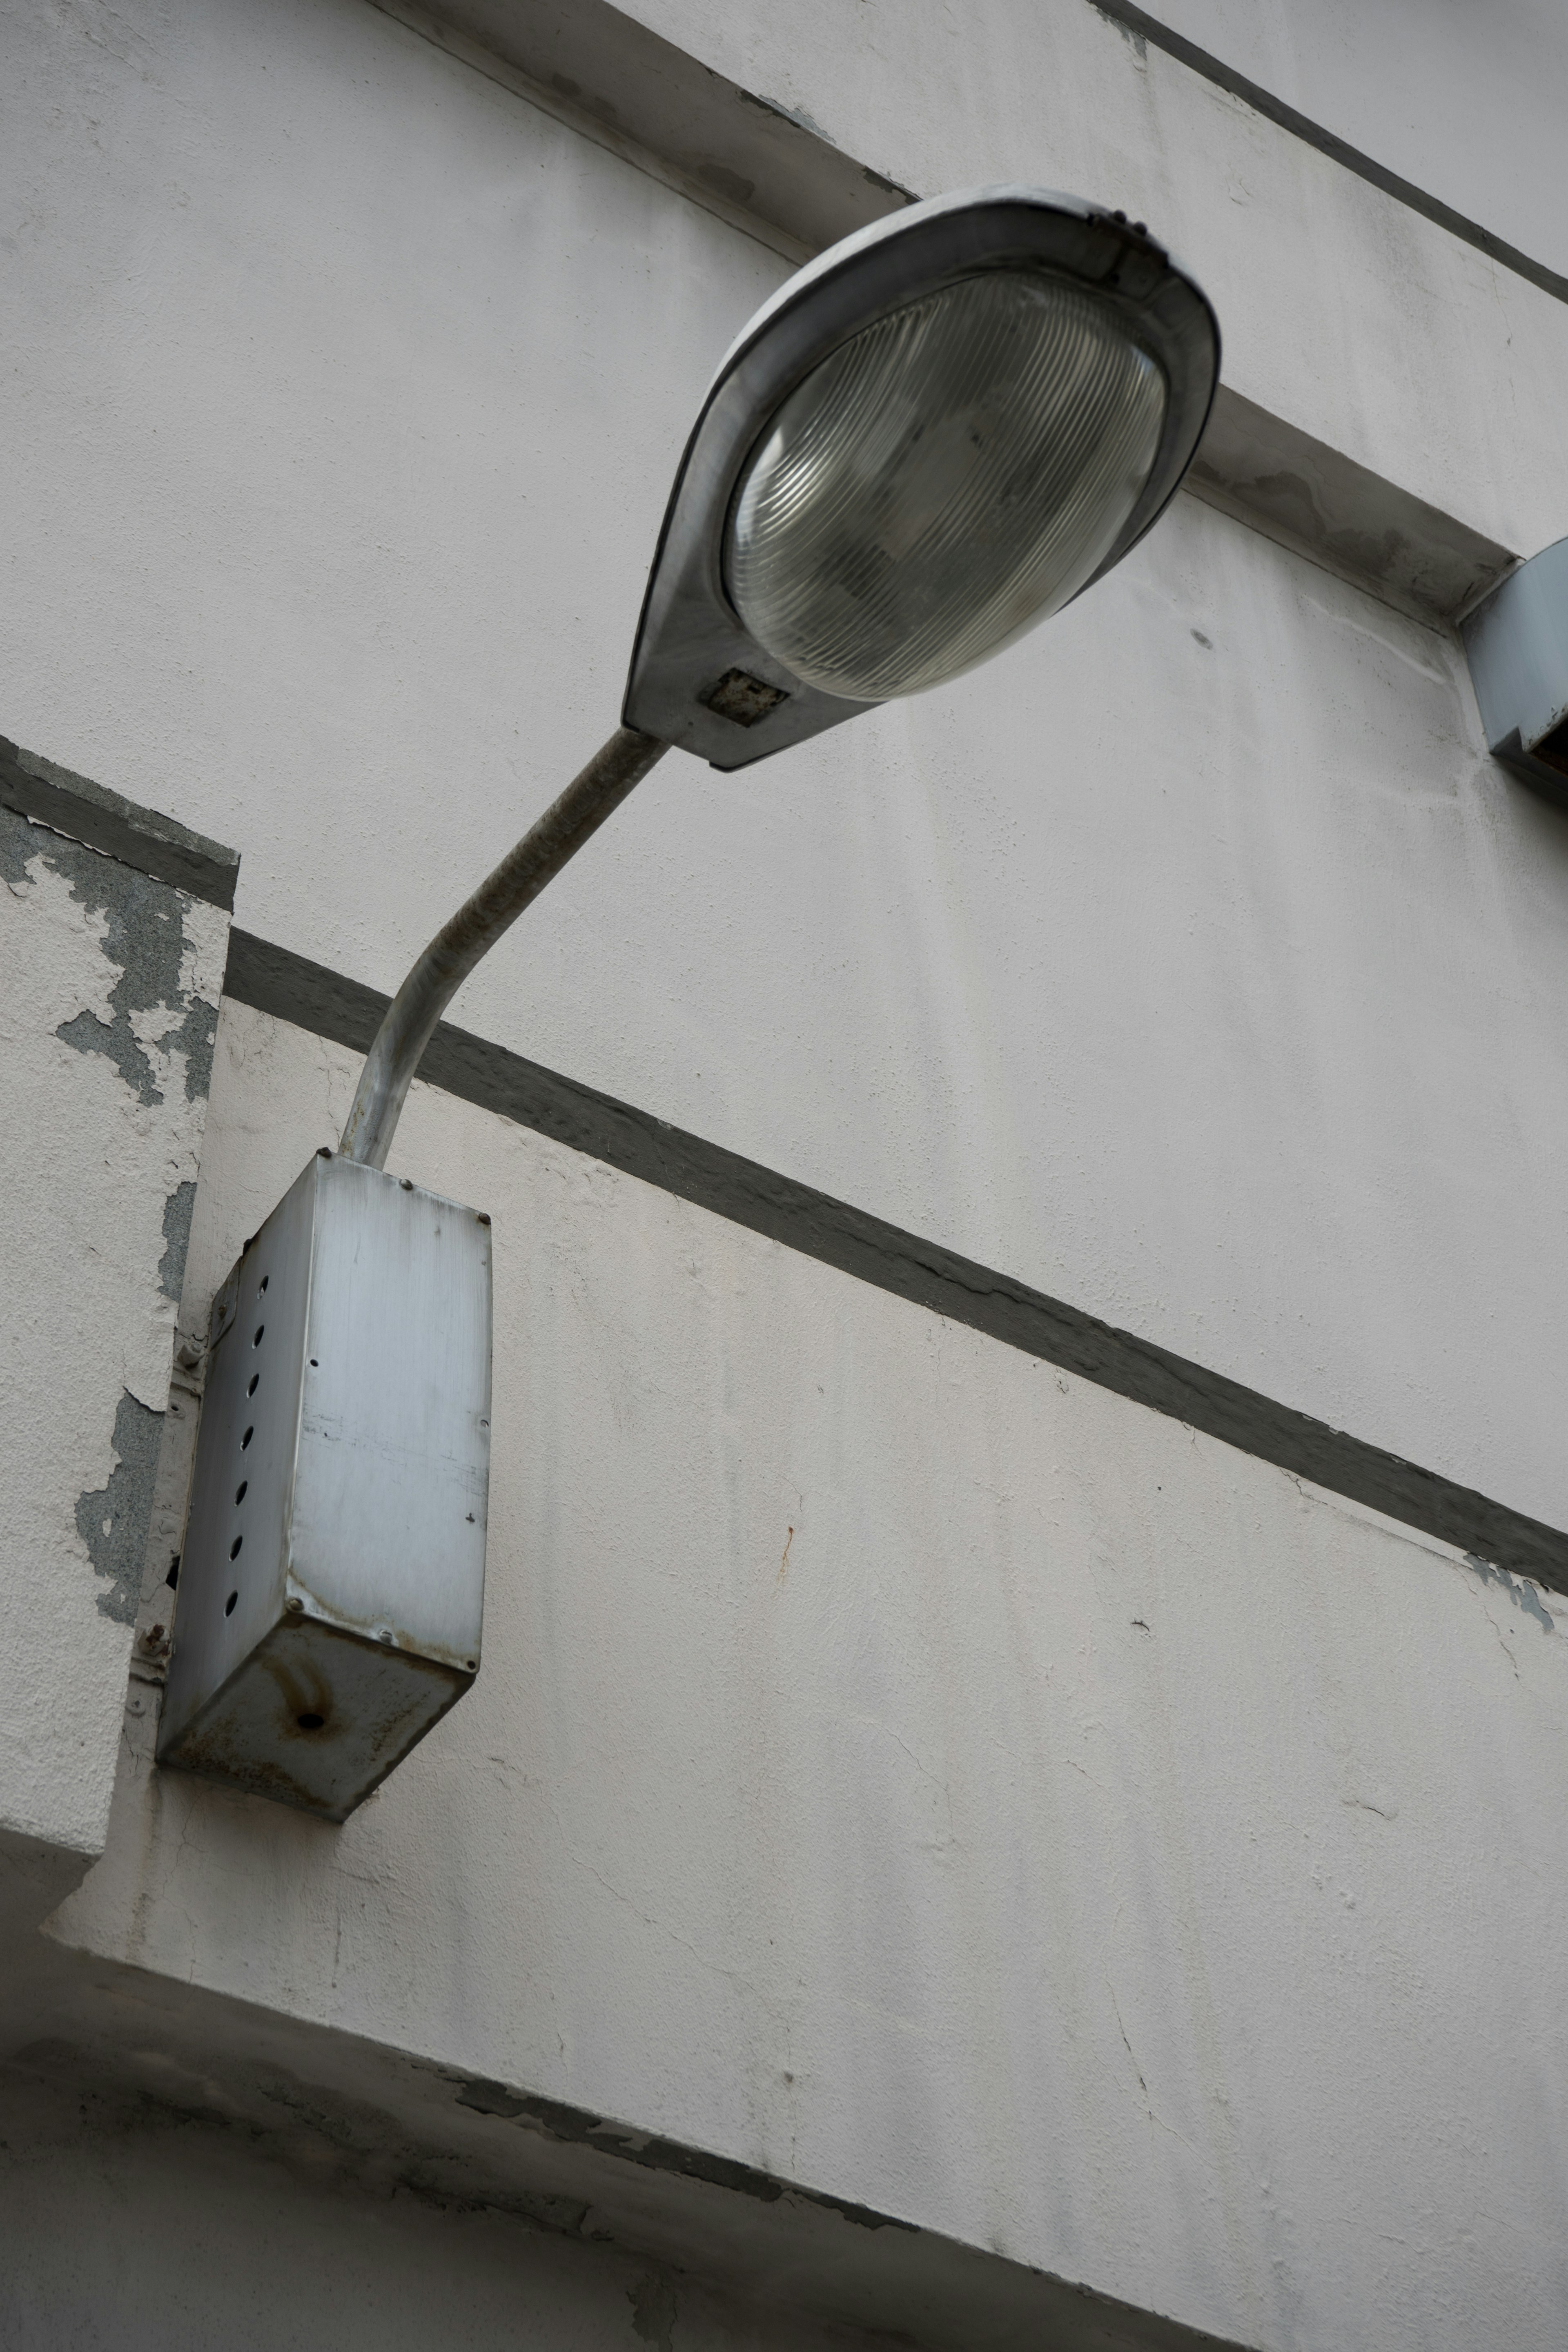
(255, 1384)
(240, 1492)
(315, 1363)
(228, 1605)
(310, 1721)
(247, 1438)
(262, 1283)
(259, 1329)
(233, 1547)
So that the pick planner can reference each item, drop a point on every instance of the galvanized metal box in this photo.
(1517, 644)
(332, 1583)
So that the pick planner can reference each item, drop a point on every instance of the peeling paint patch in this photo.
(177, 1212)
(797, 115)
(18, 846)
(146, 940)
(1523, 1594)
(654, 2311)
(111, 1520)
(579, 2128)
(193, 1037)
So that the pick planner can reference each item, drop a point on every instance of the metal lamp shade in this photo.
(931, 438)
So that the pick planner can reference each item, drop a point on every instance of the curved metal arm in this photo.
(474, 930)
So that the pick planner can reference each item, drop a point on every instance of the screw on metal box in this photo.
(931, 438)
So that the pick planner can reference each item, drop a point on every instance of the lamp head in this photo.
(935, 435)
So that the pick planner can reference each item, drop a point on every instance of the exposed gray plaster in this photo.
(144, 940)
(19, 844)
(111, 1520)
(142, 837)
(797, 115)
(654, 2311)
(575, 2127)
(1523, 1594)
(904, 2287)
(177, 1210)
(115, 1038)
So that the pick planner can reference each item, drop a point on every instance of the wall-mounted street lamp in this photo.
(933, 436)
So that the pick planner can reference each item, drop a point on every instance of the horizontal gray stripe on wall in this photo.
(920, 2288)
(275, 981)
(105, 821)
(1144, 28)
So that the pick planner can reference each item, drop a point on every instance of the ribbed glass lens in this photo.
(946, 477)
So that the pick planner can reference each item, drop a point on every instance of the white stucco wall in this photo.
(1345, 312)
(923, 1775)
(109, 990)
(1212, 986)
(1464, 102)
(898, 1766)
